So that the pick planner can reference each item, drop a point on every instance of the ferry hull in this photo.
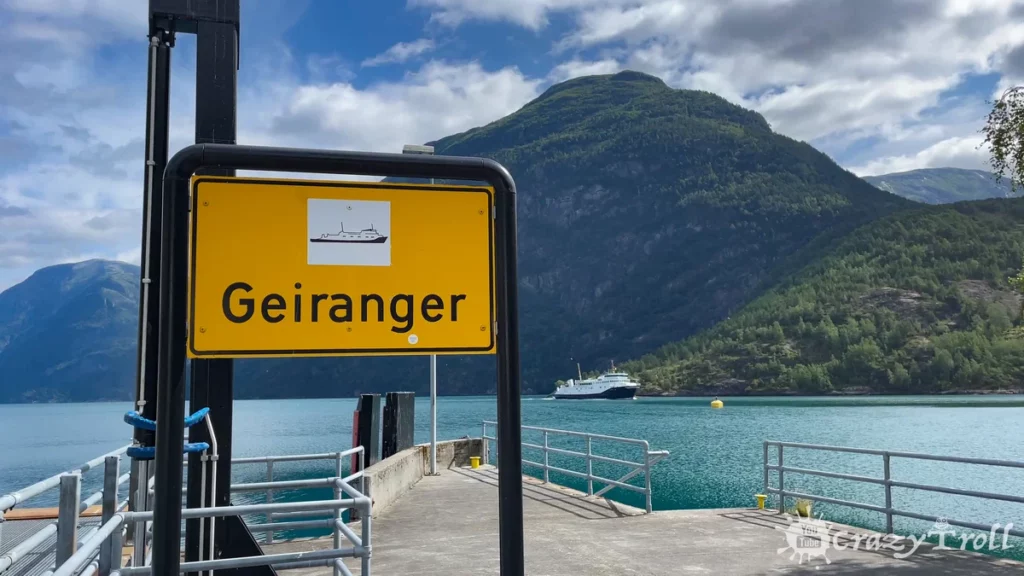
(620, 393)
(380, 240)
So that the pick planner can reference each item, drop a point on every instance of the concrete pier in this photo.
(448, 525)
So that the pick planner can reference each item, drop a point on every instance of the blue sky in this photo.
(879, 85)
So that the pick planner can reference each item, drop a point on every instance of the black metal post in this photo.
(212, 381)
(174, 289)
(171, 378)
(509, 428)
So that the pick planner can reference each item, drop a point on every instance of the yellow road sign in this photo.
(313, 268)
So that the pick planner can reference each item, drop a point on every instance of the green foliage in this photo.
(1017, 280)
(914, 303)
(1004, 133)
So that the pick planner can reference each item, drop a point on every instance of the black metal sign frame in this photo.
(173, 288)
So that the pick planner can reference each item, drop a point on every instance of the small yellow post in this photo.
(803, 508)
(760, 500)
(474, 461)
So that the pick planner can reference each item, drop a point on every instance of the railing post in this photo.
(270, 498)
(111, 470)
(484, 443)
(545, 456)
(362, 477)
(765, 460)
(115, 549)
(782, 494)
(365, 537)
(647, 477)
(67, 517)
(590, 470)
(337, 511)
(142, 504)
(888, 494)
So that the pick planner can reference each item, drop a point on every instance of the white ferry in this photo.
(364, 236)
(610, 386)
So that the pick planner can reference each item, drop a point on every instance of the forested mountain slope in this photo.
(917, 302)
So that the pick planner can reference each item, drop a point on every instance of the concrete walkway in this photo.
(448, 525)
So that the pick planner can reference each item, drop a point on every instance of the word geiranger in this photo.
(402, 309)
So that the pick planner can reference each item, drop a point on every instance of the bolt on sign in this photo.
(314, 268)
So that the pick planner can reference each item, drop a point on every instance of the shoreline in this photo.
(788, 394)
(678, 394)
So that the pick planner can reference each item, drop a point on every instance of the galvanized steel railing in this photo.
(647, 459)
(886, 481)
(71, 504)
(100, 551)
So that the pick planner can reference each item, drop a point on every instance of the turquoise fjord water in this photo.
(715, 461)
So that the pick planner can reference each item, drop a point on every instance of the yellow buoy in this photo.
(716, 403)
(474, 461)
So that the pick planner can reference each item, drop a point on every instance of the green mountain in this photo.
(68, 333)
(917, 302)
(646, 215)
(943, 185)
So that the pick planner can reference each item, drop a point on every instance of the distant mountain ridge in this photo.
(943, 185)
(68, 333)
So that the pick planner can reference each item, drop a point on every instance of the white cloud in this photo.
(576, 68)
(76, 190)
(83, 197)
(437, 100)
(401, 52)
(961, 152)
(532, 14)
(956, 152)
(118, 17)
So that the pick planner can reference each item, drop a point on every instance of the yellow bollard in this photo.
(760, 500)
(474, 461)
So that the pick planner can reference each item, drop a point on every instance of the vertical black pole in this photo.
(212, 380)
(170, 380)
(510, 450)
(157, 109)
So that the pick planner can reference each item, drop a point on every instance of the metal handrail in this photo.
(648, 459)
(886, 481)
(8, 501)
(110, 532)
(270, 486)
(88, 559)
